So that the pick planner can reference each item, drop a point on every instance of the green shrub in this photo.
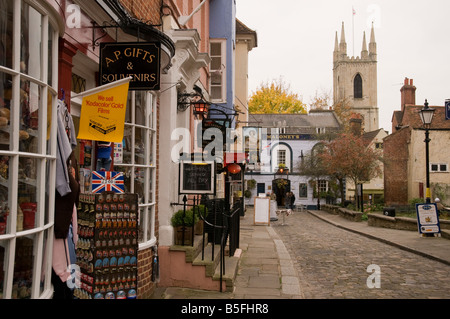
(177, 218)
(251, 184)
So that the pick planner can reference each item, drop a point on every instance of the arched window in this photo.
(357, 87)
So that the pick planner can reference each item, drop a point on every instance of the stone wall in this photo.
(343, 212)
(380, 220)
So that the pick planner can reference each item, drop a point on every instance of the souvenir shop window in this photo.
(135, 158)
(28, 65)
(6, 33)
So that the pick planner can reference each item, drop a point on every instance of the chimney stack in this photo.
(408, 93)
(356, 126)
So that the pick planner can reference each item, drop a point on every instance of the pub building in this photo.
(46, 59)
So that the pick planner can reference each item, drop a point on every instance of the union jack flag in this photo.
(106, 181)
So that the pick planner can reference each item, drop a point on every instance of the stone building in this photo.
(355, 79)
(289, 139)
(355, 84)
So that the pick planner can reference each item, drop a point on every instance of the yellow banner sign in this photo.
(103, 112)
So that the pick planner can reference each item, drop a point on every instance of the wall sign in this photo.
(139, 60)
(197, 178)
(262, 211)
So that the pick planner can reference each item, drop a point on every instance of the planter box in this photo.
(187, 235)
(198, 228)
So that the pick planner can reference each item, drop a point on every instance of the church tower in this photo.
(355, 79)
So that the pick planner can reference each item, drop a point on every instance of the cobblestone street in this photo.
(332, 263)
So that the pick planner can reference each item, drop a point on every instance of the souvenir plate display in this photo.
(107, 246)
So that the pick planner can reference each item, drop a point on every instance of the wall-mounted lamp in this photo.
(200, 108)
(196, 100)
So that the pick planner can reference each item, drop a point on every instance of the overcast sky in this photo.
(296, 42)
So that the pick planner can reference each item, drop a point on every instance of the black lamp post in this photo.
(426, 115)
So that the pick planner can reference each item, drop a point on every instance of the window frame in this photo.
(44, 154)
(147, 208)
(439, 168)
(358, 86)
(322, 185)
(223, 69)
(303, 186)
(281, 157)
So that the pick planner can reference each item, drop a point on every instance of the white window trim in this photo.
(223, 43)
(42, 231)
(147, 208)
(326, 185)
(439, 168)
(274, 156)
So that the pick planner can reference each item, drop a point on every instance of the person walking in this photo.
(292, 203)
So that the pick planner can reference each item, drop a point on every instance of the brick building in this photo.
(404, 153)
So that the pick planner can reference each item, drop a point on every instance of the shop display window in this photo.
(3, 255)
(28, 95)
(135, 157)
(6, 32)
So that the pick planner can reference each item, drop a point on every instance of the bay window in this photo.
(28, 97)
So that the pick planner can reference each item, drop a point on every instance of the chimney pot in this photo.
(408, 93)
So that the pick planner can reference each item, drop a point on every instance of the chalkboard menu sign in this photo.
(197, 178)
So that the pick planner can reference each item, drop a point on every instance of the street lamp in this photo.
(426, 115)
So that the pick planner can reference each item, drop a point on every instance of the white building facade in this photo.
(286, 140)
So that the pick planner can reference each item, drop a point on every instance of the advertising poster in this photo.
(427, 218)
(103, 112)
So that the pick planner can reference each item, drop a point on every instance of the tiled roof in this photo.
(305, 123)
(411, 117)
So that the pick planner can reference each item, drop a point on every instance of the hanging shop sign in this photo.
(197, 178)
(141, 61)
(103, 112)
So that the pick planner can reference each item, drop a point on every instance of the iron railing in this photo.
(221, 223)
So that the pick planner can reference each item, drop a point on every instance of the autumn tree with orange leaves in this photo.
(348, 156)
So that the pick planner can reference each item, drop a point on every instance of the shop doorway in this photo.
(280, 187)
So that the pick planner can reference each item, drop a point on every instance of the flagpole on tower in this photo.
(353, 29)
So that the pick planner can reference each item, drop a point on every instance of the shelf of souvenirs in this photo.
(23, 134)
(24, 180)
